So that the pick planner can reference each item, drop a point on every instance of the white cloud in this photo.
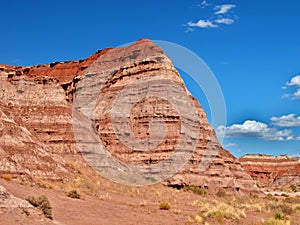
(204, 4)
(286, 96)
(225, 21)
(297, 94)
(295, 81)
(286, 121)
(222, 9)
(216, 20)
(252, 128)
(189, 29)
(202, 24)
(230, 145)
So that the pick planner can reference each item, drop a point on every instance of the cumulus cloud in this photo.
(252, 128)
(295, 81)
(230, 145)
(290, 120)
(225, 21)
(202, 24)
(222, 9)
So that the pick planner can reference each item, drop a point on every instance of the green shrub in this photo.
(42, 203)
(195, 189)
(164, 206)
(73, 194)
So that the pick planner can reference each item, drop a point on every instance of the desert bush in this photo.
(164, 206)
(271, 197)
(42, 203)
(295, 188)
(297, 208)
(73, 194)
(221, 193)
(287, 209)
(195, 189)
(7, 177)
(279, 215)
(285, 195)
(254, 196)
(273, 221)
(294, 200)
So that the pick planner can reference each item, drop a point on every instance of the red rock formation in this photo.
(272, 170)
(42, 97)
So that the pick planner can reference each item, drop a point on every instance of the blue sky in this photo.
(252, 47)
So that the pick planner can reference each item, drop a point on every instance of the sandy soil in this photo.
(116, 208)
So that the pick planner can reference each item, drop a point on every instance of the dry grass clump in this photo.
(219, 210)
(7, 177)
(223, 210)
(195, 220)
(195, 189)
(164, 206)
(255, 207)
(221, 193)
(42, 203)
(273, 221)
(279, 215)
(293, 200)
(295, 188)
(284, 208)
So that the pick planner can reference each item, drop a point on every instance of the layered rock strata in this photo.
(270, 171)
(40, 101)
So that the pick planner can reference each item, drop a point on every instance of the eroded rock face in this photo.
(43, 96)
(22, 154)
(273, 171)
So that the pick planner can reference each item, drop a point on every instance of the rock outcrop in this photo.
(15, 210)
(272, 171)
(7, 200)
(39, 100)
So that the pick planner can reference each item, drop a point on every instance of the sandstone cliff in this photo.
(36, 118)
